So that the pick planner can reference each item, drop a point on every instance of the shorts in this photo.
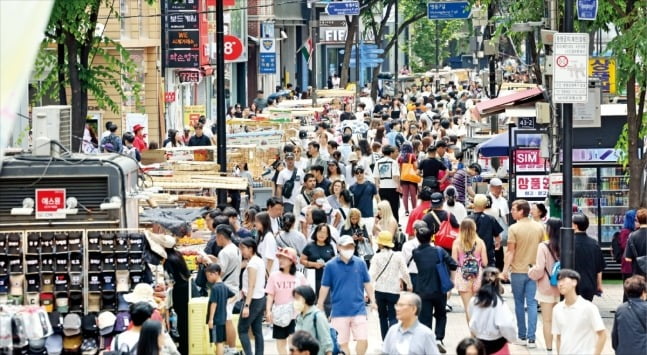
(345, 325)
(283, 332)
(463, 285)
(230, 306)
(218, 334)
(541, 298)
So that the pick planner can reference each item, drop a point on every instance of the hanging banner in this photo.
(532, 186)
(605, 70)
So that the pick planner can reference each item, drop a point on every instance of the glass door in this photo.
(614, 201)
(585, 196)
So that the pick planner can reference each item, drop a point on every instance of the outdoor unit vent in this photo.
(51, 123)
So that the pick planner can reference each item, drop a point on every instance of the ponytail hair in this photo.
(288, 221)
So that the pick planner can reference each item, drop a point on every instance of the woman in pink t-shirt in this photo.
(279, 309)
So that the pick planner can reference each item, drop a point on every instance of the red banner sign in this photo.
(530, 160)
(169, 96)
(48, 202)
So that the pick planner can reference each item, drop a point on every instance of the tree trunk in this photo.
(374, 87)
(633, 133)
(351, 30)
(78, 112)
(60, 63)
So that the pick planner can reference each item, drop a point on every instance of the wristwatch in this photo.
(246, 305)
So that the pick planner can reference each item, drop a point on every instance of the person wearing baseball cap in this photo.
(139, 142)
(438, 214)
(279, 289)
(346, 278)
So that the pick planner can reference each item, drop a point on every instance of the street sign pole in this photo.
(567, 238)
(357, 69)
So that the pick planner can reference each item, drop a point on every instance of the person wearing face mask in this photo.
(310, 319)
(346, 278)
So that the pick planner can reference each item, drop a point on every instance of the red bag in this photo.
(447, 182)
(446, 234)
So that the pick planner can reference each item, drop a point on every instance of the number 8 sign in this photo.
(233, 47)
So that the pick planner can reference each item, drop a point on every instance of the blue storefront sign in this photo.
(267, 63)
(587, 10)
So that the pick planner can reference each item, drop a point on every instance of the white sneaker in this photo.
(520, 342)
(531, 344)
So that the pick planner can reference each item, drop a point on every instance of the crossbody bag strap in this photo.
(435, 217)
(385, 266)
(343, 214)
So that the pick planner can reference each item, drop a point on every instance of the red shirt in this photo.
(416, 215)
(140, 143)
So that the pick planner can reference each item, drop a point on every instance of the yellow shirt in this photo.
(526, 234)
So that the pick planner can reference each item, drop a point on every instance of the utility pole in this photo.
(494, 119)
(221, 122)
(314, 26)
(567, 236)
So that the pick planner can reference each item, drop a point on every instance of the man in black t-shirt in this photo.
(589, 261)
(437, 201)
(487, 227)
(429, 169)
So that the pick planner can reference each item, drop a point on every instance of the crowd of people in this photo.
(331, 244)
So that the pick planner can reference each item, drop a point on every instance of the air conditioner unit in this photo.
(51, 123)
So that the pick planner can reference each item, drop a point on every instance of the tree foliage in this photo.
(451, 38)
(72, 31)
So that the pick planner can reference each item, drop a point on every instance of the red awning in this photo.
(499, 104)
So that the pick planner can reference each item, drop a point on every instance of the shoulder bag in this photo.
(409, 173)
(446, 233)
(446, 283)
(641, 260)
(384, 268)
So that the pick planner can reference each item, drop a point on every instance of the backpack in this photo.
(119, 350)
(616, 249)
(336, 348)
(399, 240)
(288, 186)
(471, 265)
(554, 272)
(111, 144)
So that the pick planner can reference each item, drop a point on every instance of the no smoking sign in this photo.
(562, 61)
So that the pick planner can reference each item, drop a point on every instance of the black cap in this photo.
(441, 143)
(436, 199)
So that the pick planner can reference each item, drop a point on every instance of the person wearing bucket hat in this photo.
(139, 142)
(389, 271)
(142, 292)
(280, 284)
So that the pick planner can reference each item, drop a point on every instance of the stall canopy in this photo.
(498, 105)
(496, 146)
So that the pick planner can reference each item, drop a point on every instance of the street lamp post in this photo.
(437, 57)
(221, 122)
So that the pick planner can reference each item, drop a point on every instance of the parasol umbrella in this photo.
(358, 127)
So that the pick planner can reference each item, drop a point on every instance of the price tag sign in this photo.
(49, 202)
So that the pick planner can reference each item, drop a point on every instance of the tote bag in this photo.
(409, 173)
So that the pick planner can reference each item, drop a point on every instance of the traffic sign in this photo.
(587, 10)
(451, 10)
(343, 8)
(570, 67)
(233, 47)
(267, 63)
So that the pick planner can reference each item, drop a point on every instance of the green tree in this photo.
(423, 42)
(72, 31)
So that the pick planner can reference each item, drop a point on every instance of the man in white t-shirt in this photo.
(577, 325)
(229, 260)
(387, 178)
(286, 175)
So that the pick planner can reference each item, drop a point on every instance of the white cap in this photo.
(496, 182)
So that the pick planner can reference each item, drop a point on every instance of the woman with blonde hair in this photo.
(470, 253)
(384, 220)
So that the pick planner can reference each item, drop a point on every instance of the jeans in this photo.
(414, 280)
(435, 305)
(255, 321)
(523, 289)
(386, 310)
